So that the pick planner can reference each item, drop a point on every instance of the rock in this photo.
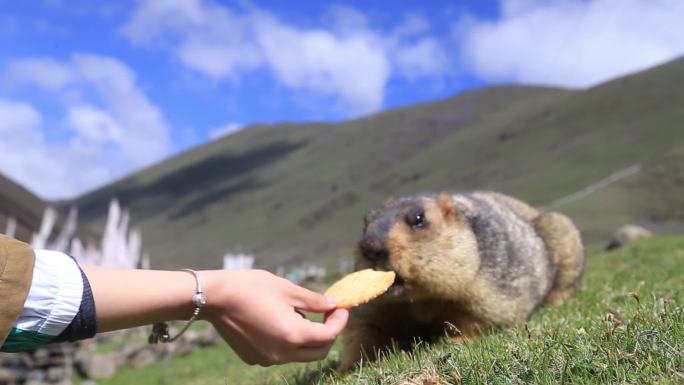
(209, 337)
(15, 360)
(97, 366)
(627, 234)
(180, 348)
(71, 382)
(35, 376)
(49, 364)
(145, 357)
(131, 349)
(41, 357)
(58, 361)
(8, 376)
(58, 374)
(191, 337)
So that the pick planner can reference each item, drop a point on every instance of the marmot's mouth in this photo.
(397, 287)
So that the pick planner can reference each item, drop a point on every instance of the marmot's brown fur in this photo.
(464, 263)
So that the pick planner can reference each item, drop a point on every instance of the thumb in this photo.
(324, 334)
(337, 320)
(307, 300)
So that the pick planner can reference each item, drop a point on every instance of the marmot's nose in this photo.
(374, 250)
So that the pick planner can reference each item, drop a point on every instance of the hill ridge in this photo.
(291, 193)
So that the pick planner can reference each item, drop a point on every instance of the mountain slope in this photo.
(298, 192)
(21, 204)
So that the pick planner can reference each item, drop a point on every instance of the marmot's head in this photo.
(426, 241)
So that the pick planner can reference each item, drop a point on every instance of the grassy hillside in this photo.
(653, 196)
(626, 325)
(24, 206)
(294, 192)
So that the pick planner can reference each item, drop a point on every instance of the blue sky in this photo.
(90, 91)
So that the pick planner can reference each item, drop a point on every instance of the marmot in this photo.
(464, 263)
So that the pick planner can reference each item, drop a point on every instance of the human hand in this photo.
(257, 313)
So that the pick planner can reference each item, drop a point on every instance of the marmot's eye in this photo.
(416, 220)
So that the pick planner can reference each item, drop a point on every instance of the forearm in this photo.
(256, 312)
(129, 298)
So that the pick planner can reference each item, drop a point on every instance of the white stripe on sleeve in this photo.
(55, 295)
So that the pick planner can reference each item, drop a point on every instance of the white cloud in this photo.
(94, 124)
(353, 66)
(26, 156)
(420, 59)
(111, 126)
(18, 123)
(46, 73)
(573, 43)
(218, 59)
(147, 134)
(346, 60)
(206, 37)
(345, 19)
(411, 26)
(225, 130)
(151, 19)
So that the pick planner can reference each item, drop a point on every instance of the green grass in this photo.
(625, 326)
(215, 365)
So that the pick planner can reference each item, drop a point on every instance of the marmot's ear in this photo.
(446, 204)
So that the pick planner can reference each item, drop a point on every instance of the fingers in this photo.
(308, 300)
(322, 337)
(311, 354)
(320, 334)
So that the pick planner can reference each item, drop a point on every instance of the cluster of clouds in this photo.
(347, 61)
(109, 126)
(571, 43)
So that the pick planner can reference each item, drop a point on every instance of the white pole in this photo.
(11, 227)
(110, 236)
(39, 240)
(67, 233)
